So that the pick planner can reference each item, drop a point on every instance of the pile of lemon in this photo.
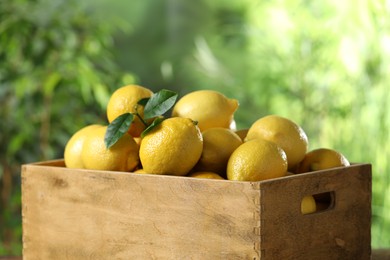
(198, 139)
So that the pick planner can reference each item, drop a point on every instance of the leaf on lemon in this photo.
(117, 128)
(155, 123)
(143, 101)
(159, 103)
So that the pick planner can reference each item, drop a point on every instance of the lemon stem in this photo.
(139, 116)
(141, 119)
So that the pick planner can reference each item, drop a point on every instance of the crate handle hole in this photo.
(317, 202)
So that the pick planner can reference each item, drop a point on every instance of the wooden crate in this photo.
(86, 214)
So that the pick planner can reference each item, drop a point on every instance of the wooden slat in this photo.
(339, 233)
(78, 214)
(377, 254)
(82, 214)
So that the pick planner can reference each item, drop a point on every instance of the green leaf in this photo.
(117, 128)
(159, 103)
(143, 101)
(155, 123)
(50, 83)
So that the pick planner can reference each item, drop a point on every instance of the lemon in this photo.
(308, 205)
(122, 156)
(257, 160)
(208, 107)
(218, 144)
(124, 100)
(206, 175)
(321, 159)
(140, 171)
(138, 140)
(285, 133)
(72, 152)
(172, 147)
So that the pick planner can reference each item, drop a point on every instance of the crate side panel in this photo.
(73, 214)
(342, 232)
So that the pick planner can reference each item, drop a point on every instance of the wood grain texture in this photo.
(377, 254)
(342, 232)
(84, 214)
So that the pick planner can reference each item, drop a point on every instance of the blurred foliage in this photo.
(56, 74)
(324, 64)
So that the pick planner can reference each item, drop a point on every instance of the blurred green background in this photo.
(323, 64)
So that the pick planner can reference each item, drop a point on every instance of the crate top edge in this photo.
(59, 163)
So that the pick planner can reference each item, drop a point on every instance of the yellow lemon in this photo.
(208, 107)
(137, 140)
(285, 133)
(124, 100)
(321, 159)
(140, 171)
(206, 175)
(257, 160)
(308, 205)
(218, 144)
(72, 152)
(122, 156)
(172, 147)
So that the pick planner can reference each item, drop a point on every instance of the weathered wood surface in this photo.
(377, 254)
(83, 214)
(341, 232)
